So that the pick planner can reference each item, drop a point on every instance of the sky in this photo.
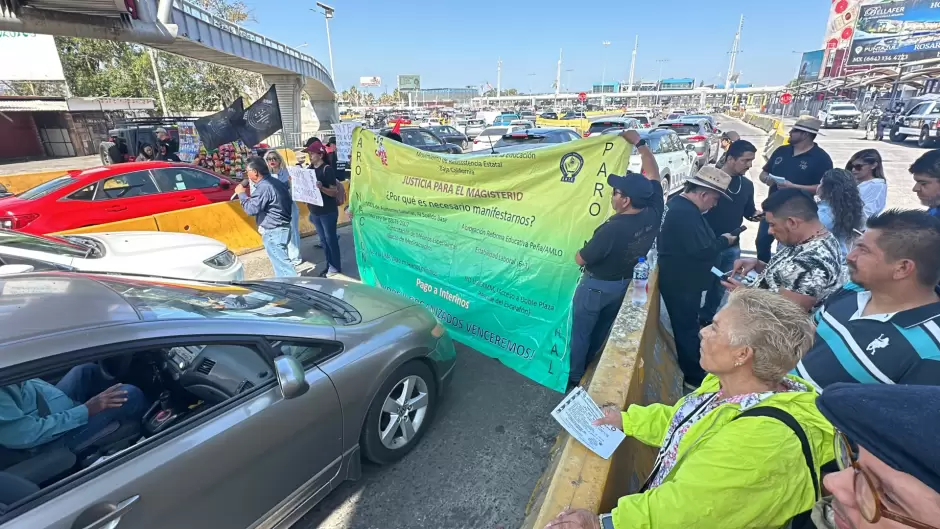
(456, 44)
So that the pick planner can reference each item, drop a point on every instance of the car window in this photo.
(127, 185)
(573, 136)
(36, 243)
(935, 109)
(181, 179)
(494, 131)
(307, 353)
(429, 139)
(85, 193)
(919, 109)
(45, 188)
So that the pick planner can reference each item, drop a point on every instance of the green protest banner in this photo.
(486, 243)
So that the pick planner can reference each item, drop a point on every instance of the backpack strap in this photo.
(802, 519)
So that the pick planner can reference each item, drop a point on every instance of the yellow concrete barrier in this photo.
(579, 125)
(637, 367)
(137, 224)
(18, 183)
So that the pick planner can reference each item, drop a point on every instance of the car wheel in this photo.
(897, 136)
(106, 150)
(400, 413)
(924, 140)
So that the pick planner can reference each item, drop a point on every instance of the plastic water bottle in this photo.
(641, 274)
(652, 256)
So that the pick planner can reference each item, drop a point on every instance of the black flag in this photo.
(219, 128)
(260, 120)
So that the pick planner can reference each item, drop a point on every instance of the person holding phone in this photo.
(727, 216)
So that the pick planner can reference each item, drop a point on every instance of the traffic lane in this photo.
(476, 466)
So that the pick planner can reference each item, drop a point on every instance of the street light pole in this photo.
(327, 15)
(659, 82)
(568, 84)
(156, 77)
(606, 44)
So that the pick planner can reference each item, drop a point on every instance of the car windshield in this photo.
(22, 241)
(642, 119)
(475, 122)
(682, 129)
(601, 126)
(523, 139)
(494, 131)
(45, 188)
(176, 301)
(441, 130)
(843, 107)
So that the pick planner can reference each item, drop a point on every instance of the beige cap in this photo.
(712, 178)
(811, 125)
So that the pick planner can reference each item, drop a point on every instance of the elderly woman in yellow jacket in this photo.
(744, 449)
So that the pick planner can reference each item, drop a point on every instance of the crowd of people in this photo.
(812, 371)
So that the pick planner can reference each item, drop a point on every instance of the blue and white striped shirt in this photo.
(898, 348)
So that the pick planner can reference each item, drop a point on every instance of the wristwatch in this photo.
(607, 521)
(641, 143)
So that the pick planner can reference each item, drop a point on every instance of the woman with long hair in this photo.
(275, 164)
(147, 153)
(869, 173)
(840, 206)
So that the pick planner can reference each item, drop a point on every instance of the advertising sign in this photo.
(409, 82)
(896, 32)
(841, 23)
(29, 57)
(811, 65)
(476, 240)
(189, 141)
(370, 81)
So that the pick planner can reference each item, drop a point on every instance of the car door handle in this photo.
(187, 199)
(109, 515)
(116, 208)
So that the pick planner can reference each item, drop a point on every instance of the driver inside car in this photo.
(79, 408)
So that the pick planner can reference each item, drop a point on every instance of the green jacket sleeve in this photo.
(647, 424)
(750, 474)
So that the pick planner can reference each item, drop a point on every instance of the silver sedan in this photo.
(254, 400)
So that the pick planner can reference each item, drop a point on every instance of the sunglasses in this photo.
(859, 166)
(867, 496)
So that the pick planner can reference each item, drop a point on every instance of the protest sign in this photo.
(343, 132)
(303, 186)
(486, 243)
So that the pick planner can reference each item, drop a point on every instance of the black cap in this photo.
(635, 186)
(898, 424)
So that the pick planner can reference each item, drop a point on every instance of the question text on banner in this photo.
(486, 243)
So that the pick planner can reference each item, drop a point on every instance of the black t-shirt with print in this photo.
(803, 169)
(326, 175)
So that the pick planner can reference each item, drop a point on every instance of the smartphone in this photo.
(737, 231)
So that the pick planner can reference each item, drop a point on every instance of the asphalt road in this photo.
(477, 465)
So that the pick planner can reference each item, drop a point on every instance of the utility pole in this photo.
(156, 76)
(734, 53)
(636, 44)
(605, 44)
(327, 15)
(558, 77)
(568, 84)
(499, 77)
(659, 83)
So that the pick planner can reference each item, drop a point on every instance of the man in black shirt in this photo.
(727, 138)
(609, 257)
(727, 216)
(687, 251)
(799, 165)
(324, 217)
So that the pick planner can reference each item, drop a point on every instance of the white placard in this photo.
(303, 186)
(29, 57)
(343, 132)
(576, 412)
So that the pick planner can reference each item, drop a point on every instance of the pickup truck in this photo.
(840, 115)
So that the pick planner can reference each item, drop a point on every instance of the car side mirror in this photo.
(290, 376)
(7, 270)
(225, 184)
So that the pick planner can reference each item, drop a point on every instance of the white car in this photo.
(676, 161)
(474, 127)
(599, 126)
(840, 115)
(491, 135)
(165, 254)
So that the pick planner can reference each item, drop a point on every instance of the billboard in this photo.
(811, 65)
(841, 23)
(29, 57)
(896, 32)
(370, 81)
(409, 82)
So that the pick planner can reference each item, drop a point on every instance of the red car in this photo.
(109, 194)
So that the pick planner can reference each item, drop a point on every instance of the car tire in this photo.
(924, 140)
(896, 136)
(107, 151)
(398, 444)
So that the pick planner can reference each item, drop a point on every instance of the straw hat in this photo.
(712, 178)
(811, 125)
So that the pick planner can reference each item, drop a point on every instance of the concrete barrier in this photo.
(578, 125)
(638, 366)
(138, 224)
(18, 183)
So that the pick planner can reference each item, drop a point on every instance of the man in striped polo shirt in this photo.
(884, 326)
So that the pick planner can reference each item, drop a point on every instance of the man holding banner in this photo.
(609, 257)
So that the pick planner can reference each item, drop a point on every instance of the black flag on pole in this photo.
(260, 120)
(219, 128)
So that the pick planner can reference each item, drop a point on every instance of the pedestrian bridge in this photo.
(183, 28)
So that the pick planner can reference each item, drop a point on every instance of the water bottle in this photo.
(641, 274)
(652, 256)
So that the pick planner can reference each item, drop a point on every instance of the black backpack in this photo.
(802, 520)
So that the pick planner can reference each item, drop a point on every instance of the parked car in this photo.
(128, 136)
(526, 139)
(675, 159)
(280, 382)
(549, 115)
(922, 120)
(527, 115)
(698, 133)
(451, 135)
(597, 127)
(711, 119)
(474, 128)
(156, 253)
(643, 118)
(574, 114)
(488, 138)
(504, 119)
(426, 140)
(109, 194)
(840, 114)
